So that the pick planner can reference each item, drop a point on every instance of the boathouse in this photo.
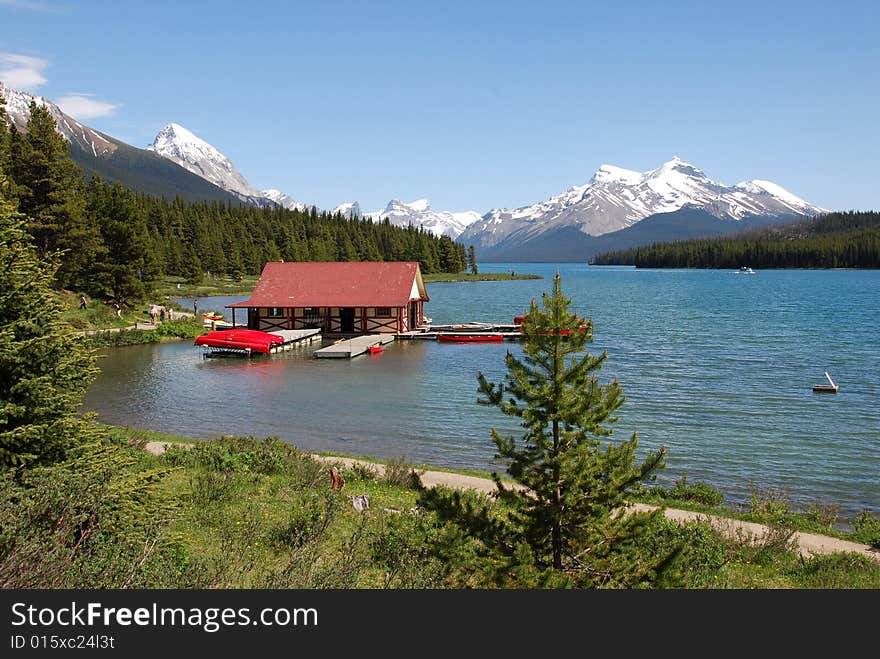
(348, 297)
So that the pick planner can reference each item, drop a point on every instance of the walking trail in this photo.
(808, 544)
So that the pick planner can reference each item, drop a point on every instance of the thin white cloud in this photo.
(83, 106)
(22, 71)
(31, 5)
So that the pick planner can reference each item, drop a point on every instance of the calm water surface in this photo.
(716, 366)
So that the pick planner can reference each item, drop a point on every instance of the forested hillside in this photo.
(836, 240)
(115, 242)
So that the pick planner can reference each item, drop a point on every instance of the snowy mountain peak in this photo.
(193, 153)
(419, 213)
(348, 209)
(614, 174)
(677, 166)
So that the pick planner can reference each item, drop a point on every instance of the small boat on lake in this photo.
(376, 349)
(469, 338)
(745, 270)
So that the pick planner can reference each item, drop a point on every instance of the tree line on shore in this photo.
(116, 242)
(836, 240)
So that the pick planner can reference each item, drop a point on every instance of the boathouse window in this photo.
(311, 315)
(383, 312)
(276, 312)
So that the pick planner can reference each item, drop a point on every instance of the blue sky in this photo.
(473, 105)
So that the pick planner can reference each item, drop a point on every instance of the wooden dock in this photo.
(293, 338)
(431, 332)
(348, 348)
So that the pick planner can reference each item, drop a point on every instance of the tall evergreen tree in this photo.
(567, 519)
(49, 189)
(472, 260)
(44, 368)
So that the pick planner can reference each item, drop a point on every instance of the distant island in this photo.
(836, 240)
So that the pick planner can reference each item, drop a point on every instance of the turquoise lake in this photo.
(718, 367)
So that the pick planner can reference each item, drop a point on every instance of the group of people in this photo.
(158, 314)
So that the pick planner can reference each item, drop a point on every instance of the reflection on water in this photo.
(717, 367)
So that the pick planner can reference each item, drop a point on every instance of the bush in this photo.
(310, 515)
(866, 528)
(399, 473)
(698, 492)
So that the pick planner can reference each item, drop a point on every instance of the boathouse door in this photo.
(346, 320)
(414, 319)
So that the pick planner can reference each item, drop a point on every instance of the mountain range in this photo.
(617, 208)
(620, 208)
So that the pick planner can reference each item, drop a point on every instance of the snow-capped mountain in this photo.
(194, 154)
(419, 213)
(18, 108)
(349, 209)
(617, 198)
(190, 152)
(283, 199)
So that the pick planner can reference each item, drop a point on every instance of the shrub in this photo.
(698, 492)
(399, 473)
(866, 528)
(310, 515)
(824, 515)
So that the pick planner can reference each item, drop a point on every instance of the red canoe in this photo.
(374, 350)
(241, 339)
(469, 338)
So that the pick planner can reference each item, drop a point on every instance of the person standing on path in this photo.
(82, 302)
(118, 309)
(154, 314)
(196, 306)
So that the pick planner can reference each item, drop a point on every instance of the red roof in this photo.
(337, 284)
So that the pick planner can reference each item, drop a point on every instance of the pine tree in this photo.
(49, 187)
(472, 260)
(44, 368)
(565, 524)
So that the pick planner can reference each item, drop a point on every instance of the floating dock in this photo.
(358, 345)
(293, 338)
(432, 332)
(831, 388)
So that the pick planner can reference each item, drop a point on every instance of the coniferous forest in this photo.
(116, 242)
(836, 240)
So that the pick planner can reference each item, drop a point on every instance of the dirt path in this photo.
(808, 544)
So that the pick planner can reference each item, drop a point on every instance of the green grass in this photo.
(211, 285)
(261, 514)
(466, 276)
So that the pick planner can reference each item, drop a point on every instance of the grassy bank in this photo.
(169, 330)
(210, 285)
(249, 513)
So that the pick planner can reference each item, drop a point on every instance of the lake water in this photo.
(716, 366)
